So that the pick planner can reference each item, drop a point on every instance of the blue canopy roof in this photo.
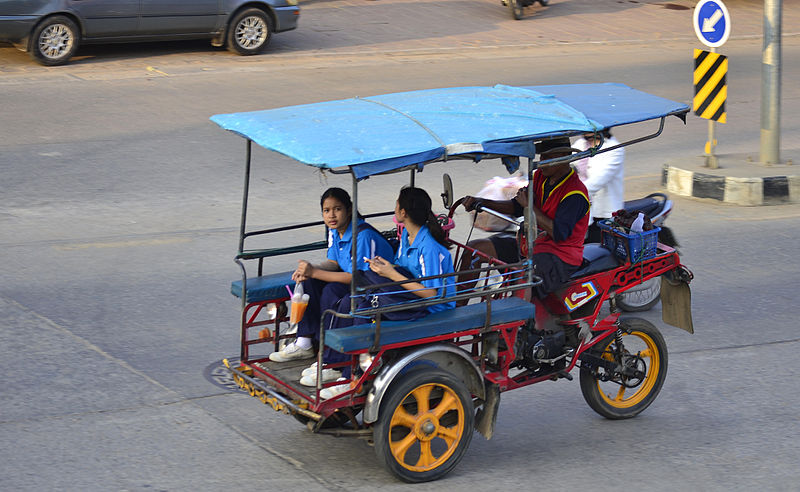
(383, 133)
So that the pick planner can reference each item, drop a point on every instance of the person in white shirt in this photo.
(603, 176)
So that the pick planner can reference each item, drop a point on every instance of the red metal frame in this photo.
(606, 283)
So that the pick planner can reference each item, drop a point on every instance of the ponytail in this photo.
(436, 230)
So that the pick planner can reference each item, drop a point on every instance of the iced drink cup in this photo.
(299, 304)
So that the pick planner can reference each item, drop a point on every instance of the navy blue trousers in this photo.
(389, 296)
(322, 296)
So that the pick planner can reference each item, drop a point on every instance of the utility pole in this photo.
(771, 84)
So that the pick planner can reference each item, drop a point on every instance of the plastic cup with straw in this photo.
(299, 304)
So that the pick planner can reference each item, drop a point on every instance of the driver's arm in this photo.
(513, 207)
(502, 206)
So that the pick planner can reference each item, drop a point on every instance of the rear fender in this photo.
(444, 356)
(676, 298)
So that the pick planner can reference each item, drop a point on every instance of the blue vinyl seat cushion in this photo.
(264, 288)
(459, 319)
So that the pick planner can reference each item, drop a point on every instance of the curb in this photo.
(770, 190)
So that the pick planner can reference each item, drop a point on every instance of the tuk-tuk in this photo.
(419, 388)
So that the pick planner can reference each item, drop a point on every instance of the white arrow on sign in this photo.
(708, 24)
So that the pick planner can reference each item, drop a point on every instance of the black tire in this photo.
(641, 300)
(249, 32)
(516, 8)
(425, 425)
(644, 348)
(54, 40)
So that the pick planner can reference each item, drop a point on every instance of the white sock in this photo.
(303, 342)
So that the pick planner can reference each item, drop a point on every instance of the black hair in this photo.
(338, 194)
(417, 204)
(343, 197)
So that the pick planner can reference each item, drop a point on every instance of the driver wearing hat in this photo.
(561, 205)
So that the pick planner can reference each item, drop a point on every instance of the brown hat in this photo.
(560, 144)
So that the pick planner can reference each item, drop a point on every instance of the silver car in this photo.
(51, 30)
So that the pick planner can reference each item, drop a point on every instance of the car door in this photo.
(107, 18)
(163, 17)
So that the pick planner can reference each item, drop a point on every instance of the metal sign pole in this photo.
(771, 84)
(711, 159)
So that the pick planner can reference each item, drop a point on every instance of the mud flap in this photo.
(676, 299)
(486, 417)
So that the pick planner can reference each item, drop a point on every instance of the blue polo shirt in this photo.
(370, 244)
(427, 257)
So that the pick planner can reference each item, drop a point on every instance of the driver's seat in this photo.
(596, 259)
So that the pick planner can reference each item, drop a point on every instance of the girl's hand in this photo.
(304, 271)
(381, 267)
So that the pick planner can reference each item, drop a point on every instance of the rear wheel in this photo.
(642, 299)
(249, 32)
(54, 40)
(642, 353)
(425, 425)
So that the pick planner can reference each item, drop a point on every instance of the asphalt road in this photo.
(119, 213)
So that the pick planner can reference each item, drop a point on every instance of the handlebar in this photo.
(480, 208)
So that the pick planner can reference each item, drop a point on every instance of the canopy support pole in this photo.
(241, 247)
(413, 177)
(354, 243)
(246, 192)
(530, 221)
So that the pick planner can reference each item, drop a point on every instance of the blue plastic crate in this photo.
(634, 247)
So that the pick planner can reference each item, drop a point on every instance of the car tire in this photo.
(249, 32)
(54, 40)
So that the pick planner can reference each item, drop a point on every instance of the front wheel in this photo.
(249, 32)
(54, 41)
(516, 8)
(425, 425)
(633, 371)
(641, 299)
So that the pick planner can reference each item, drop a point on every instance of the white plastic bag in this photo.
(498, 188)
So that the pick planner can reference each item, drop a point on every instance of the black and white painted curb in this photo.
(740, 191)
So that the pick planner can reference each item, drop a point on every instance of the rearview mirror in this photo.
(447, 196)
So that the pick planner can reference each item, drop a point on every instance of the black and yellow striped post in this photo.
(710, 93)
(710, 86)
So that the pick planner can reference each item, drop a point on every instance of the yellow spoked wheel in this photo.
(633, 379)
(425, 425)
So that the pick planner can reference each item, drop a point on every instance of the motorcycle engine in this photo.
(539, 348)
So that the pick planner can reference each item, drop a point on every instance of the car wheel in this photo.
(249, 32)
(54, 40)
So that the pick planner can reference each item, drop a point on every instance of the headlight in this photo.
(292, 2)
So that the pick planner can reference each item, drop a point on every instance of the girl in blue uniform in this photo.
(422, 253)
(328, 282)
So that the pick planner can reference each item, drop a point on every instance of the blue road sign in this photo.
(712, 22)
